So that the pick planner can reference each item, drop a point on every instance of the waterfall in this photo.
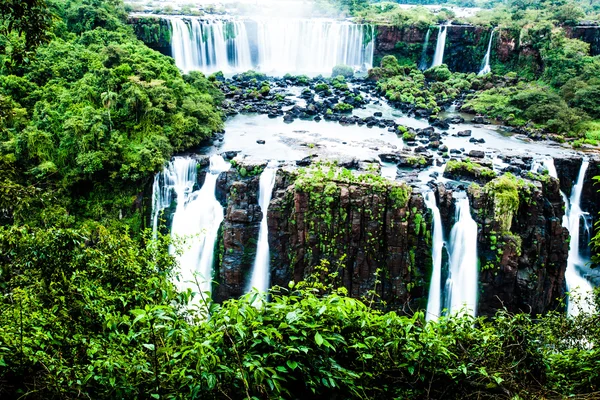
(282, 46)
(434, 303)
(210, 45)
(577, 285)
(440, 46)
(423, 62)
(260, 269)
(486, 69)
(178, 177)
(197, 218)
(462, 284)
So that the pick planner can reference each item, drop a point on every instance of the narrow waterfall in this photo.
(577, 285)
(434, 303)
(423, 62)
(281, 46)
(178, 178)
(197, 219)
(260, 269)
(462, 283)
(485, 68)
(438, 57)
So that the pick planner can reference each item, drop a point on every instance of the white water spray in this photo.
(462, 283)
(423, 63)
(310, 46)
(438, 57)
(434, 303)
(577, 285)
(178, 178)
(260, 269)
(197, 218)
(486, 69)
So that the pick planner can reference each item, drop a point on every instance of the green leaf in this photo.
(318, 339)
(149, 346)
(292, 364)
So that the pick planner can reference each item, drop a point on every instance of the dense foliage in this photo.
(87, 302)
(96, 109)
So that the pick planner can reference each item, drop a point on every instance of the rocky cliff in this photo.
(374, 238)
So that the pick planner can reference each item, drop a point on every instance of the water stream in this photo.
(434, 303)
(260, 269)
(462, 283)
(577, 285)
(486, 69)
(438, 57)
(423, 62)
(196, 220)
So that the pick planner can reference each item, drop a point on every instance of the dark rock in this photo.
(465, 133)
(477, 154)
(260, 141)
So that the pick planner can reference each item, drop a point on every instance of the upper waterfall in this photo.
(438, 57)
(275, 47)
(486, 69)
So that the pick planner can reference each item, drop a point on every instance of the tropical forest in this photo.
(300, 199)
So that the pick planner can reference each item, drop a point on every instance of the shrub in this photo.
(344, 70)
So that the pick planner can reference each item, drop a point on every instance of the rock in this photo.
(378, 114)
(465, 133)
(228, 155)
(260, 141)
(305, 162)
(477, 154)
(440, 124)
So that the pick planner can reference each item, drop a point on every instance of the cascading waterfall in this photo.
(438, 57)
(462, 283)
(423, 63)
(210, 46)
(178, 178)
(260, 270)
(282, 46)
(486, 69)
(577, 285)
(197, 218)
(434, 303)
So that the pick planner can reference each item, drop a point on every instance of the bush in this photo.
(343, 70)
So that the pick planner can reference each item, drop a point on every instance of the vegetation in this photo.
(88, 307)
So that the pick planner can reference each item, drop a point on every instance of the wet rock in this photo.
(260, 141)
(440, 124)
(378, 114)
(477, 154)
(305, 162)
(465, 133)
(228, 155)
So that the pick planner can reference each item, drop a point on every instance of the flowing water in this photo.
(178, 178)
(196, 220)
(577, 285)
(423, 62)
(260, 270)
(434, 303)
(438, 57)
(486, 69)
(272, 46)
(462, 285)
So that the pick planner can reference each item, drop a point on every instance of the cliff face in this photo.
(370, 243)
(522, 269)
(155, 32)
(362, 237)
